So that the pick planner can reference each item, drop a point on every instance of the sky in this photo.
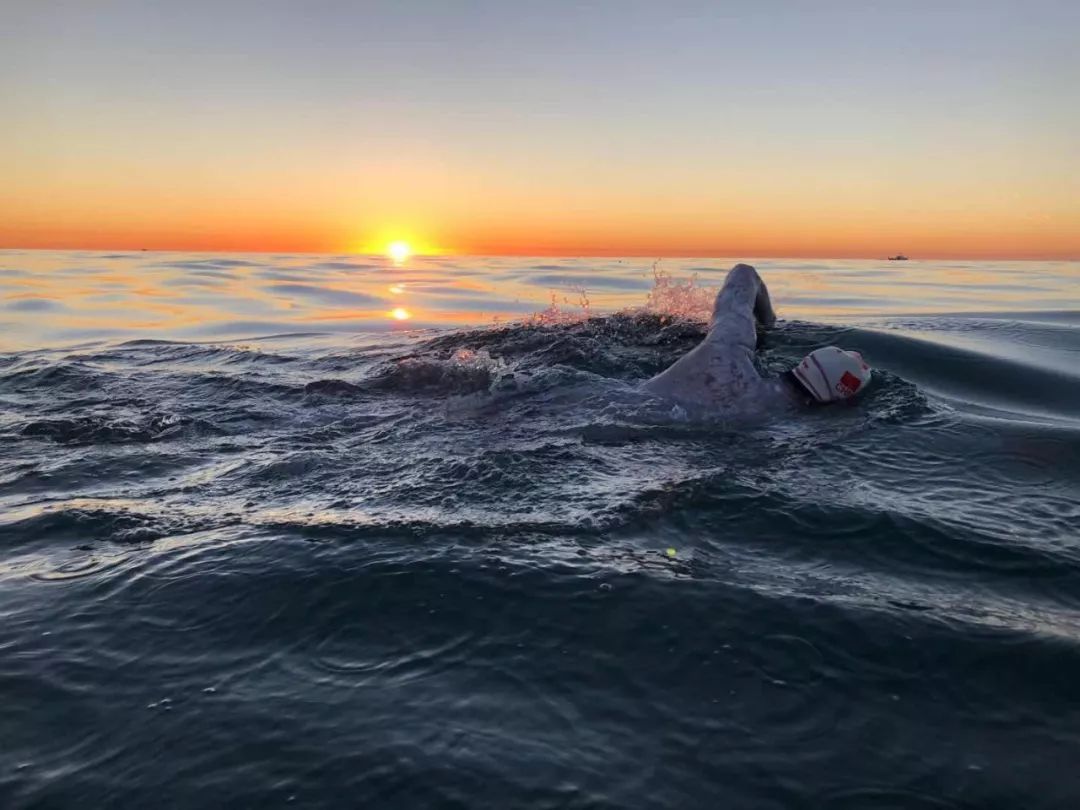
(758, 128)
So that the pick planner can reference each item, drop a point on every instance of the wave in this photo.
(98, 430)
(979, 379)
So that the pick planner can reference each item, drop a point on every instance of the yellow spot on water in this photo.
(671, 552)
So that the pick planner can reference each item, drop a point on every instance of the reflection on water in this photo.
(58, 297)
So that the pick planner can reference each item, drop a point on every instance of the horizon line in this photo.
(656, 256)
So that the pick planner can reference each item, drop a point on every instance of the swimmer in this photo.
(719, 373)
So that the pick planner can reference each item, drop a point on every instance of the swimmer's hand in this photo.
(763, 311)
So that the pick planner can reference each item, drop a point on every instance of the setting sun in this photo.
(400, 314)
(399, 251)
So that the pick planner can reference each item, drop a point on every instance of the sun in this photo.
(400, 314)
(399, 251)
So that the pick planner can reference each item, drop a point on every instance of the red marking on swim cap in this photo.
(848, 384)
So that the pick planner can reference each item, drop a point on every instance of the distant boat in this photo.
(899, 257)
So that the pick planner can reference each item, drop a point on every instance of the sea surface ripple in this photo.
(455, 562)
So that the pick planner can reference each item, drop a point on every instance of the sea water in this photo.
(313, 531)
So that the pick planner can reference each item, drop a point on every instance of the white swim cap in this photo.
(831, 374)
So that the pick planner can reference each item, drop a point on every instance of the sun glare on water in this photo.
(399, 251)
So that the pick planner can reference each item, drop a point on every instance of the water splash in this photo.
(679, 298)
(565, 313)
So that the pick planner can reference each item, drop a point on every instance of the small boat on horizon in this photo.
(899, 257)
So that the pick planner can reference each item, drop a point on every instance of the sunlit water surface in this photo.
(316, 531)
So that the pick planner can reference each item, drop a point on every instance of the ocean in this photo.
(331, 531)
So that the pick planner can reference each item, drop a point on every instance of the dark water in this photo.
(472, 567)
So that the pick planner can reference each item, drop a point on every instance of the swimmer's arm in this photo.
(743, 300)
(708, 371)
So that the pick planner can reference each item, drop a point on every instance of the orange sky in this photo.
(579, 132)
(550, 226)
